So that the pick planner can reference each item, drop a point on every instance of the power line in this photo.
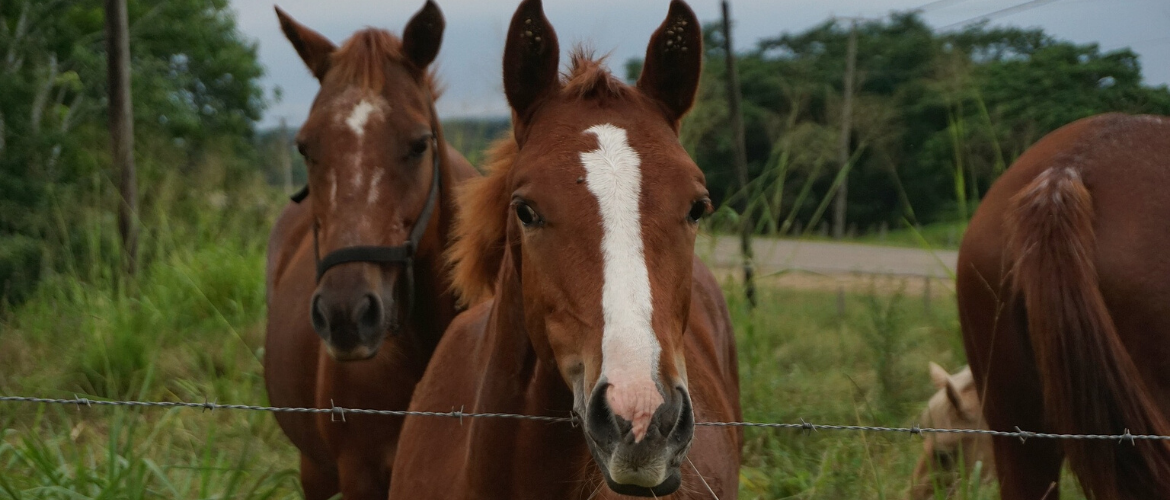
(936, 4)
(1029, 5)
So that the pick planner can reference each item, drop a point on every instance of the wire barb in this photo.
(807, 427)
(1023, 435)
(81, 401)
(1126, 437)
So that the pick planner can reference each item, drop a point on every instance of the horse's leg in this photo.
(318, 483)
(996, 339)
(1028, 470)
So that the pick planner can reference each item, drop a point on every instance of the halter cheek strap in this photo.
(402, 254)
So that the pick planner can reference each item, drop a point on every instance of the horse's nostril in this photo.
(318, 317)
(682, 426)
(368, 314)
(601, 422)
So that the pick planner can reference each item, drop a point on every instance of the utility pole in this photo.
(733, 98)
(840, 203)
(121, 120)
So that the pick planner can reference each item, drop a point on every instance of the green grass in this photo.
(189, 326)
(799, 360)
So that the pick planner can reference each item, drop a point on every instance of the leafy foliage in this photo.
(937, 117)
(196, 100)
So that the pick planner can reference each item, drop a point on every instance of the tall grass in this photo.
(804, 362)
(188, 326)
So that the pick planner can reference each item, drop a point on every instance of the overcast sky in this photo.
(469, 61)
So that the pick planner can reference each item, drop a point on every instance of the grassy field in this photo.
(190, 327)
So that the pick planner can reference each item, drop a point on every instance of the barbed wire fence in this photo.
(338, 414)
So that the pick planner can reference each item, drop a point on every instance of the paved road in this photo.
(773, 255)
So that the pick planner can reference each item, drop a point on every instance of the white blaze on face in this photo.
(357, 120)
(359, 116)
(629, 349)
(372, 195)
(333, 189)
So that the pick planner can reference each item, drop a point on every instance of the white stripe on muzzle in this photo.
(629, 349)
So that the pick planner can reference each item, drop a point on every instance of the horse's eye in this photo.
(526, 214)
(419, 146)
(301, 149)
(698, 210)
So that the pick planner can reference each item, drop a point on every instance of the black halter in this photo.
(401, 254)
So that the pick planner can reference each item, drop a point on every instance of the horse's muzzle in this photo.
(646, 468)
(352, 322)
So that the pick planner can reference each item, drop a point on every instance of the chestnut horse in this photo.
(357, 292)
(1063, 296)
(584, 230)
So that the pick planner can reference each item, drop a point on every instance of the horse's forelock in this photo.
(589, 78)
(363, 58)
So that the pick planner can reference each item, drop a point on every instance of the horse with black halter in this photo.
(1063, 285)
(584, 234)
(357, 293)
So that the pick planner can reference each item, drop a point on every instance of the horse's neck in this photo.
(511, 363)
(506, 454)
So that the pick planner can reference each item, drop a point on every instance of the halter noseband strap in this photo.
(401, 254)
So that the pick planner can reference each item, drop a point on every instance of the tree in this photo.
(195, 86)
(937, 117)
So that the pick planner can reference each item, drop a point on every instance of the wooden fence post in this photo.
(121, 121)
(733, 98)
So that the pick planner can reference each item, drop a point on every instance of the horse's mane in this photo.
(482, 222)
(363, 59)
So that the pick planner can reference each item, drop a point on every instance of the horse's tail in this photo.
(1090, 383)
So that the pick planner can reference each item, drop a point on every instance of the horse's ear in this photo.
(423, 35)
(314, 48)
(938, 376)
(953, 396)
(531, 56)
(674, 61)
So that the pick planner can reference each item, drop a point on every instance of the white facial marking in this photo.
(333, 188)
(359, 116)
(358, 175)
(372, 196)
(629, 349)
(358, 119)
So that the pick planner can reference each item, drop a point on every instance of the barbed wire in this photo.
(338, 414)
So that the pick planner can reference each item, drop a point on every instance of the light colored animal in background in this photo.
(955, 406)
